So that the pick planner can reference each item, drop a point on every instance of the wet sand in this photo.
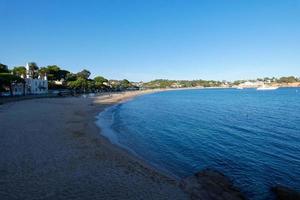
(52, 149)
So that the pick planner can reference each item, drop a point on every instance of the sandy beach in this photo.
(52, 149)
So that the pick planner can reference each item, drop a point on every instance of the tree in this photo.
(100, 79)
(91, 85)
(33, 70)
(19, 71)
(80, 83)
(99, 82)
(3, 68)
(289, 79)
(52, 71)
(71, 77)
(125, 84)
(43, 72)
(62, 74)
(85, 74)
(7, 79)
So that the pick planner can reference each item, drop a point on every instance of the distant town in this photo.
(52, 79)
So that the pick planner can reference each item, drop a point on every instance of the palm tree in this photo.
(33, 70)
(19, 71)
(43, 71)
(3, 68)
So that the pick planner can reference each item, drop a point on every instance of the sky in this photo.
(142, 40)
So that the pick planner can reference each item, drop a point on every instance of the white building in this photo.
(18, 89)
(31, 86)
(36, 86)
(251, 84)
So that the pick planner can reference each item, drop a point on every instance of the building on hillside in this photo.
(138, 85)
(251, 84)
(176, 85)
(31, 85)
(106, 83)
(35, 85)
(59, 82)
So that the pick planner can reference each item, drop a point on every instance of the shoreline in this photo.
(131, 153)
(57, 151)
(203, 184)
(9, 99)
(117, 98)
(206, 184)
(53, 148)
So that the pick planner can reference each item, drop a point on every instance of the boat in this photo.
(239, 88)
(267, 88)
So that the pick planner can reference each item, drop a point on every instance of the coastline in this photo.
(56, 151)
(52, 148)
(115, 100)
(206, 184)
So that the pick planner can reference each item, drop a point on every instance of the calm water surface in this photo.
(251, 136)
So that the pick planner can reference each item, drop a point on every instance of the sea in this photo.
(251, 136)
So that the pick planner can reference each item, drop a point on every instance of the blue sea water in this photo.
(251, 136)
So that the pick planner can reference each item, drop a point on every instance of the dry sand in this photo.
(52, 149)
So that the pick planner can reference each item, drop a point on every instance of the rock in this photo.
(284, 193)
(210, 185)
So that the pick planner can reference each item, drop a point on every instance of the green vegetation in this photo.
(289, 79)
(7, 80)
(85, 74)
(59, 78)
(100, 83)
(80, 82)
(164, 83)
(54, 72)
(19, 71)
(124, 84)
(33, 70)
(3, 68)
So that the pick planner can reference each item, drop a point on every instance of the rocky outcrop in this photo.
(284, 193)
(210, 185)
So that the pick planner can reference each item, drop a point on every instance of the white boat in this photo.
(266, 88)
(239, 88)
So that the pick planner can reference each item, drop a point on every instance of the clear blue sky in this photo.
(148, 39)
